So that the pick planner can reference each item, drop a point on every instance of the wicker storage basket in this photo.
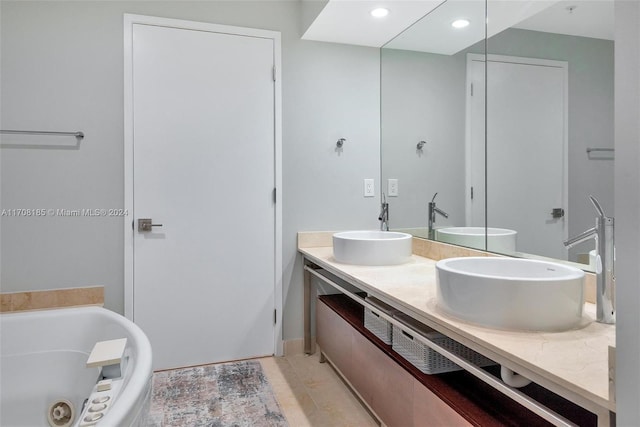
(425, 359)
(376, 324)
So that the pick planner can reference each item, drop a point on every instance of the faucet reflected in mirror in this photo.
(433, 210)
(384, 214)
(603, 233)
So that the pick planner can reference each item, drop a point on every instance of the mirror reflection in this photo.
(548, 127)
(424, 93)
(550, 84)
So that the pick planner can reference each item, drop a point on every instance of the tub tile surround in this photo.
(51, 298)
(572, 363)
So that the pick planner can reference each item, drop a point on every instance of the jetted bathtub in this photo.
(43, 361)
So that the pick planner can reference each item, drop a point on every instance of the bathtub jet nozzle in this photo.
(61, 413)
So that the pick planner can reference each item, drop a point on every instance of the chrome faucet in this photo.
(433, 209)
(605, 272)
(384, 214)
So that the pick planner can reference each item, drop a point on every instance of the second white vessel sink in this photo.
(372, 247)
(511, 293)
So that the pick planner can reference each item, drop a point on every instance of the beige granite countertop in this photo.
(572, 363)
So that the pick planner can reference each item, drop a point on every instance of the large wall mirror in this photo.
(538, 91)
(424, 137)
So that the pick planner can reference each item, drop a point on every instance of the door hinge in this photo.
(274, 195)
(471, 192)
(274, 73)
(275, 317)
(471, 89)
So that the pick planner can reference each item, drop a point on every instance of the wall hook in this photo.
(420, 145)
(340, 142)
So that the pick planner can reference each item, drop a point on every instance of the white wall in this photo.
(62, 69)
(627, 199)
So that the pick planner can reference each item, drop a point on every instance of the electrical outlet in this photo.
(392, 187)
(369, 188)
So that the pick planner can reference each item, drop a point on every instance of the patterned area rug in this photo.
(233, 394)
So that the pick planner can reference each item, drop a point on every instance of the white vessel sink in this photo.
(500, 240)
(372, 247)
(511, 293)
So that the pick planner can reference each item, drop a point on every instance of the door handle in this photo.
(557, 213)
(146, 224)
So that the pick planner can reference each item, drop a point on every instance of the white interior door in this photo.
(203, 167)
(527, 151)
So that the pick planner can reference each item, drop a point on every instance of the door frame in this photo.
(129, 21)
(469, 217)
(564, 66)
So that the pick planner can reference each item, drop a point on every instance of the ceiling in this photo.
(594, 18)
(350, 22)
(434, 32)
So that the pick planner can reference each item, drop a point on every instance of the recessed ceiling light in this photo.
(380, 12)
(460, 23)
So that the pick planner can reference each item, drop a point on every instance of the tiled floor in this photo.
(312, 394)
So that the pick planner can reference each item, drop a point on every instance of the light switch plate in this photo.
(369, 188)
(392, 187)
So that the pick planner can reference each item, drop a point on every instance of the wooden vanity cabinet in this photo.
(391, 392)
(400, 395)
